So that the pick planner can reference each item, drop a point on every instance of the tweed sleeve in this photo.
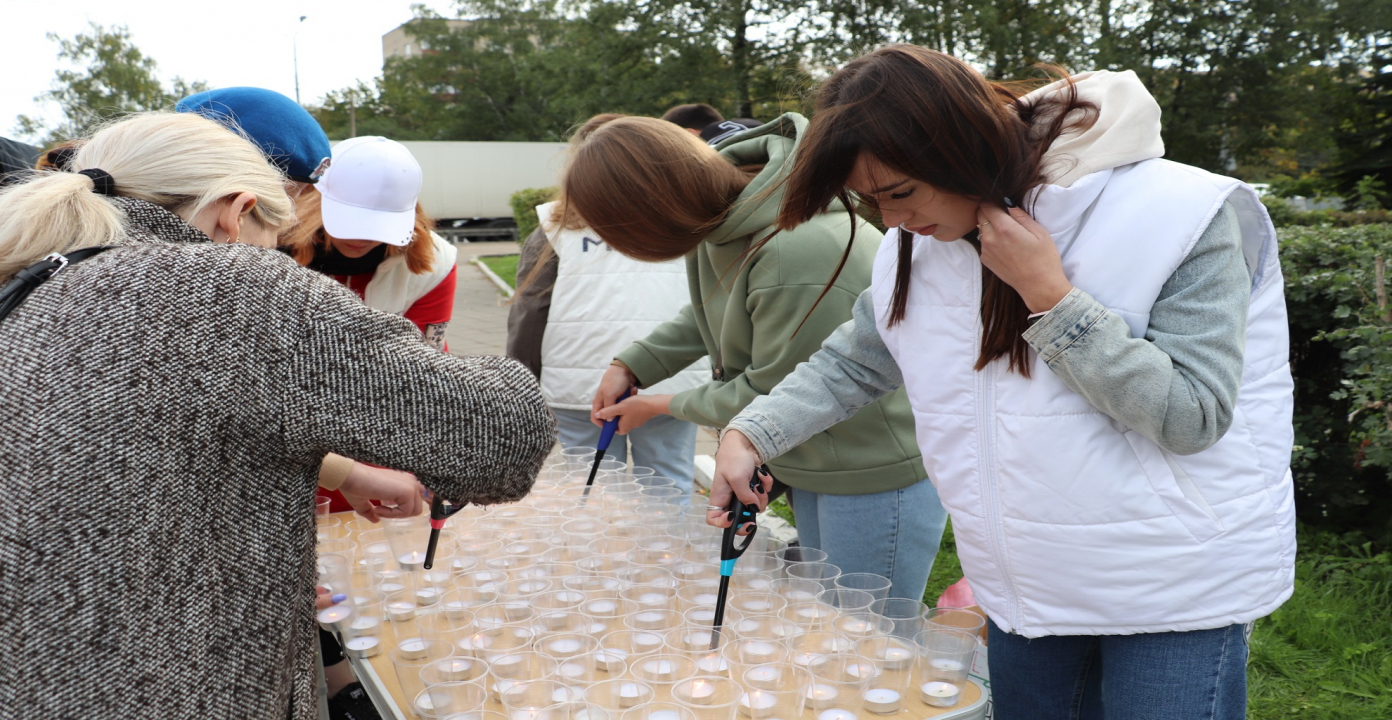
(365, 385)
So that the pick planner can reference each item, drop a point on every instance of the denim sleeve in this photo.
(1178, 385)
(851, 370)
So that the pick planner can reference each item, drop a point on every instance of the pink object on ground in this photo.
(957, 595)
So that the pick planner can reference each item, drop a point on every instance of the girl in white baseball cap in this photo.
(365, 228)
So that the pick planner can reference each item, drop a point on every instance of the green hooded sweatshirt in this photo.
(743, 314)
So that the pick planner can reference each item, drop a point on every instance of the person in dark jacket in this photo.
(185, 385)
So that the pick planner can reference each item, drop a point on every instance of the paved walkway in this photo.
(480, 315)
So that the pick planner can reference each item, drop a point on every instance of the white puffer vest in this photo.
(601, 303)
(394, 288)
(1067, 522)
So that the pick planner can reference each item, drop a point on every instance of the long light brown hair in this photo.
(309, 233)
(933, 118)
(651, 190)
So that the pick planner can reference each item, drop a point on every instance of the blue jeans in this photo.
(1196, 675)
(894, 533)
(664, 443)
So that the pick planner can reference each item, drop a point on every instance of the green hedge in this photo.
(524, 204)
(1341, 356)
(1283, 214)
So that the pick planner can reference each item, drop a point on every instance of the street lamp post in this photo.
(295, 43)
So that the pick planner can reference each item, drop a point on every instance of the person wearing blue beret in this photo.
(286, 133)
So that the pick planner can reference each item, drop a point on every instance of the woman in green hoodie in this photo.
(759, 306)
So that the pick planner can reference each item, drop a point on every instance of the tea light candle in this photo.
(660, 669)
(820, 697)
(652, 599)
(759, 652)
(705, 599)
(456, 610)
(335, 618)
(365, 625)
(762, 675)
(701, 693)
(629, 695)
(389, 587)
(564, 646)
(412, 648)
(457, 669)
(362, 647)
(855, 627)
(896, 658)
(939, 694)
(799, 596)
(602, 607)
(647, 640)
(611, 659)
(805, 658)
(943, 665)
(836, 714)
(882, 701)
(649, 620)
(664, 715)
(560, 695)
(759, 583)
(401, 611)
(411, 560)
(713, 664)
(516, 610)
(756, 700)
(757, 606)
(427, 596)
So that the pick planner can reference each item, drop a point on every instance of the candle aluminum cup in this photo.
(821, 696)
(413, 648)
(939, 694)
(883, 701)
(336, 618)
(364, 646)
(756, 700)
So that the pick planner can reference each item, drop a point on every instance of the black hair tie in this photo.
(102, 182)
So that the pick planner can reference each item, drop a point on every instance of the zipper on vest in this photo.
(985, 417)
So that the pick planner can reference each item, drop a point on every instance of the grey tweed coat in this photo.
(164, 408)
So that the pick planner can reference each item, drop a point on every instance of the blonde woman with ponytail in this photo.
(164, 410)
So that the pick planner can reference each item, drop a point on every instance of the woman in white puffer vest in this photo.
(1100, 385)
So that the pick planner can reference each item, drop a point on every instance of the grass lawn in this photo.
(504, 265)
(1324, 655)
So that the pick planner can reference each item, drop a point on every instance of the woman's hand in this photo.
(322, 598)
(399, 493)
(1022, 253)
(617, 380)
(735, 463)
(636, 410)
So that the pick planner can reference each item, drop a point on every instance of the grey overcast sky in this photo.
(238, 42)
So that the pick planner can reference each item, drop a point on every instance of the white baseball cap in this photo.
(370, 191)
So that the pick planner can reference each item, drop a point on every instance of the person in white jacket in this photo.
(1094, 343)
(579, 304)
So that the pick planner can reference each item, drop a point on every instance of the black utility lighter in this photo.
(440, 511)
(740, 515)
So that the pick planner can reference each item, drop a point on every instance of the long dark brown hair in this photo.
(933, 118)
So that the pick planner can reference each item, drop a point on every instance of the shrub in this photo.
(1341, 356)
(1284, 215)
(524, 204)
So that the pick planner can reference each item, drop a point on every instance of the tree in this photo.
(114, 79)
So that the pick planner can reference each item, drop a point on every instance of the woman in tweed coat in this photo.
(164, 407)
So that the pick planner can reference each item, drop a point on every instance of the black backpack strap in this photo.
(24, 281)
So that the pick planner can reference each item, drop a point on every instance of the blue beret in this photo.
(284, 131)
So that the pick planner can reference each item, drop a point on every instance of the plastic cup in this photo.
(527, 699)
(821, 572)
(838, 685)
(708, 697)
(741, 655)
(848, 600)
(962, 619)
(619, 695)
(945, 658)
(906, 616)
(410, 657)
(627, 647)
(876, 585)
(454, 699)
(778, 690)
(811, 646)
(510, 669)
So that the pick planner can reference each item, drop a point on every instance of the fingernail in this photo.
(730, 516)
(1008, 202)
(338, 598)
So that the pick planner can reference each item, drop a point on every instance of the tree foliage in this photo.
(112, 77)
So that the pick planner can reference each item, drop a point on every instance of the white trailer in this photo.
(468, 184)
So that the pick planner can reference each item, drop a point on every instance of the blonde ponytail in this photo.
(181, 162)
